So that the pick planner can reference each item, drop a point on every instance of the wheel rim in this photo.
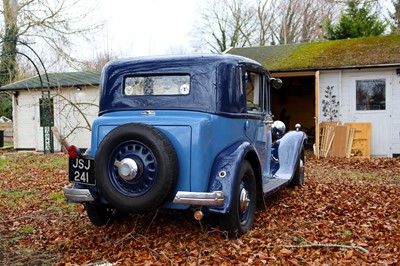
(244, 201)
(302, 168)
(147, 172)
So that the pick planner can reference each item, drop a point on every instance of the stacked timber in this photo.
(348, 140)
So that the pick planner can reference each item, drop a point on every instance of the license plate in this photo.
(81, 170)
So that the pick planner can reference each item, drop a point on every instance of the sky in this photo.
(145, 27)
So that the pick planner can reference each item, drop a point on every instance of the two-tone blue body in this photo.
(211, 128)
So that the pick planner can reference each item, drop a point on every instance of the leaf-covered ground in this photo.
(347, 203)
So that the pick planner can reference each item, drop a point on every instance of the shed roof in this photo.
(57, 80)
(348, 53)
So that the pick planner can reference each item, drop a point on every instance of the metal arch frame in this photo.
(48, 139)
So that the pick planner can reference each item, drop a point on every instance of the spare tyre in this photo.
(136, 168)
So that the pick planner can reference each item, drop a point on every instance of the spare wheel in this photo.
(136, 168)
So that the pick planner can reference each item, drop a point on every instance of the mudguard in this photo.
(286, 153)
(224, 173)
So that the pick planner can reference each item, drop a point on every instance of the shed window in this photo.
(48, 113)
(370, 94)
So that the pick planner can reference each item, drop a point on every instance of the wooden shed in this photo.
(362, 74)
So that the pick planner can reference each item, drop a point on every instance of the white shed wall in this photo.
(385, 133)
(27, 131)
(395, 117)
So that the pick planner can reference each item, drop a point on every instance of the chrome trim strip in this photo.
(77, 194)
(214, 198)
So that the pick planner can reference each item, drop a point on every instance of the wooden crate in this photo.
(361, 147)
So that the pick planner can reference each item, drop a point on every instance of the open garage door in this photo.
(297, 102)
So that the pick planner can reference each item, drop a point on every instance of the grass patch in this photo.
(3, 161)
(54, 162)
(346, 233)
(27, 229)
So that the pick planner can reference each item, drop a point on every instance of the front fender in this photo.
(285, 154)
(225, 172)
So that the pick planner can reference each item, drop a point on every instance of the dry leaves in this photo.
(343, 202)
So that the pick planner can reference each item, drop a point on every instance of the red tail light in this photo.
(73, 152)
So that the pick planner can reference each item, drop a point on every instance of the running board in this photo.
(274, 185)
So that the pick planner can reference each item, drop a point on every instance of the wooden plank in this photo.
(327, 136)
(6, 126)
(316, 113)
(340, 141)
(64, 143)
(331, 124)
(361, 147)
(350, 142)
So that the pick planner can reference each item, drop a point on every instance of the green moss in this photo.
(328, 54)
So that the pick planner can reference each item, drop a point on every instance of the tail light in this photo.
(73, 152)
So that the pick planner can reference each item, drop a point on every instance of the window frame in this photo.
(356, 102)
(262, 88)
(41, 111)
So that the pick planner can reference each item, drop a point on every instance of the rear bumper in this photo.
(77, 194)
(215, 198)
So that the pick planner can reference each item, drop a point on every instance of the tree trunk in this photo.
(8, 62)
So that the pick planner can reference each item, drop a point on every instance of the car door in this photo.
(255, 88)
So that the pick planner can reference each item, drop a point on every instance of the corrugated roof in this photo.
(57, 80)
(370, 51)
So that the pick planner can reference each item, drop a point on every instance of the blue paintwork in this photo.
(286, 152)
(229, 161)
(197, 137)
(209, 128)
(207, 93)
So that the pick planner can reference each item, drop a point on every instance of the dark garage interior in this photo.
(295, 103)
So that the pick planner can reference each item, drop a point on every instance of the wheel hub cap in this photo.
(244, 200)
(127, 169)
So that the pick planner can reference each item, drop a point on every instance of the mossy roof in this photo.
(348, 53)
(57, 80)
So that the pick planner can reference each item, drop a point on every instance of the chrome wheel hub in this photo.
(244, 200)
(127, 168)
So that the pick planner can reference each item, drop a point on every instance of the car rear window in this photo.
(157, 85)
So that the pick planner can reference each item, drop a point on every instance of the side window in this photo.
(254, 91)
(46, 113)
(370, 94)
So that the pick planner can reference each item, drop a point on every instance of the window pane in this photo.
(371, 94)
(254, 92)
(46, 111)
(157, 85)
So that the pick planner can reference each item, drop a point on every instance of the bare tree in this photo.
(97, 63)
(302, 21)
(225, 24)
(51, 25)
(265, 19)
(395, 17)
(238, 23)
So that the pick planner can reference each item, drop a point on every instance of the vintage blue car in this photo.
(181, 132)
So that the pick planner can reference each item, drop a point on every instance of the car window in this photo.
(254, 91)
(157, 85)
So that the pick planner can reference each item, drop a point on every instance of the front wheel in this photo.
(240, 219)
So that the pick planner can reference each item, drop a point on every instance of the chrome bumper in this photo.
(200, 198)
(77, 194)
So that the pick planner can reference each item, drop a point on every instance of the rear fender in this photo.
(286, 153)
(225, 172)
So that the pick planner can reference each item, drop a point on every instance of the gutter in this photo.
(337, 68)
